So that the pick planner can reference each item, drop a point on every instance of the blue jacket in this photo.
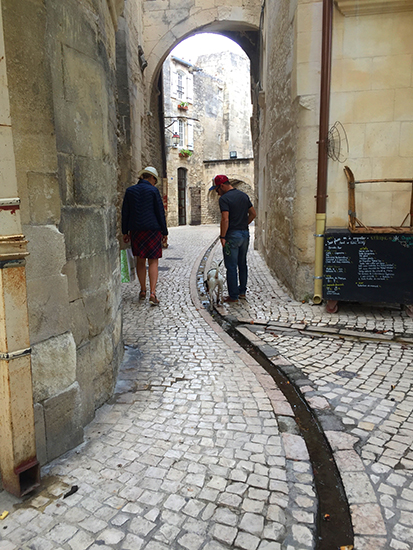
(142, 209)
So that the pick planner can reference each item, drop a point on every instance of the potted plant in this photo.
(185, 153)
(183, 106)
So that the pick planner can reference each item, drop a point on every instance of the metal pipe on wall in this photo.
(321, 197)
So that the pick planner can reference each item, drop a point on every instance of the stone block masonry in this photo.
(61, 74)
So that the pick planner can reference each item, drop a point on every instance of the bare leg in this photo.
(153, 274)
(141, 270)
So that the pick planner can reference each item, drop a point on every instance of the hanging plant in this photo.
(185, 153)
(183, 106)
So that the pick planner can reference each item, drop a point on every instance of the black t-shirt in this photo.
(237, 203)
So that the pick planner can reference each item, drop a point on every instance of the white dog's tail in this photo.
(216, 265)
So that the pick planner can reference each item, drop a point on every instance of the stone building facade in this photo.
(214, 129)
(371, 95)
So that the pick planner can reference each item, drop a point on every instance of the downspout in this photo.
(327, 32)
(20, 470)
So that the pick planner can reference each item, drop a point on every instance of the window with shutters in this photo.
(174, 83)
(180, 87)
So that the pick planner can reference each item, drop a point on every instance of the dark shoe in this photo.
(242, 297)
(153, 300)
(230, 300)
(142, 294)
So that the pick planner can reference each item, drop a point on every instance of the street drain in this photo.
(333, 524)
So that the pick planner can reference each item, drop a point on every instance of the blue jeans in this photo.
(236, 262)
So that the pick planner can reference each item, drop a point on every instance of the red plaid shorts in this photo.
(146, 244)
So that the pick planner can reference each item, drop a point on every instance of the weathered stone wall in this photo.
(240, 173)
(124, 115)
(280, 225)
(210, 106)
(233, 71)
(61, 71)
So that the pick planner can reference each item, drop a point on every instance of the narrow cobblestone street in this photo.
(199, 449)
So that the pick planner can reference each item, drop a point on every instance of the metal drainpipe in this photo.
(327, 32)
(18, 463)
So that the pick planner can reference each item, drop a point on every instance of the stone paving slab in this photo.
(355, 368)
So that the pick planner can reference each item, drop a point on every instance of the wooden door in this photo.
(182, 196)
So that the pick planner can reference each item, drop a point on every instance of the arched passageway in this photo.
(207, 112)
(163, 30)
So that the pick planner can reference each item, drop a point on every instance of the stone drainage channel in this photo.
(333, 521)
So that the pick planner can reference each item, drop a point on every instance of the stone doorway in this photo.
(182, 196)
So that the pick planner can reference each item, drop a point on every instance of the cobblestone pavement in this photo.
(198, 448)
(355, 368)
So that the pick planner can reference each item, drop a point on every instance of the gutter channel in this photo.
(333, 521)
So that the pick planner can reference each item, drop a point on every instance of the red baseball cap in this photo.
(218, 180)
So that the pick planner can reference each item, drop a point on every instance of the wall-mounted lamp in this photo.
(175, 139)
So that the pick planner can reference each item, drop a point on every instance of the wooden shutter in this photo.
(189, 88)
(174, 83)
(190, 135)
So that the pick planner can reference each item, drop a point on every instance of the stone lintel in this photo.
(371, 7)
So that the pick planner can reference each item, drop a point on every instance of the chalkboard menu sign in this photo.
(368, 267)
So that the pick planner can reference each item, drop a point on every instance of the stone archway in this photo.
(164, 29)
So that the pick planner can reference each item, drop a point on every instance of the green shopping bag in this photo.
(124, 268)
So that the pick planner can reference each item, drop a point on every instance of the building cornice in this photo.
(181, 61)
(372, 7)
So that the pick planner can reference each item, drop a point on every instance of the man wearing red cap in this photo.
(237, 213)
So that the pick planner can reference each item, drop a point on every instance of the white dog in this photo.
(214, 283)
